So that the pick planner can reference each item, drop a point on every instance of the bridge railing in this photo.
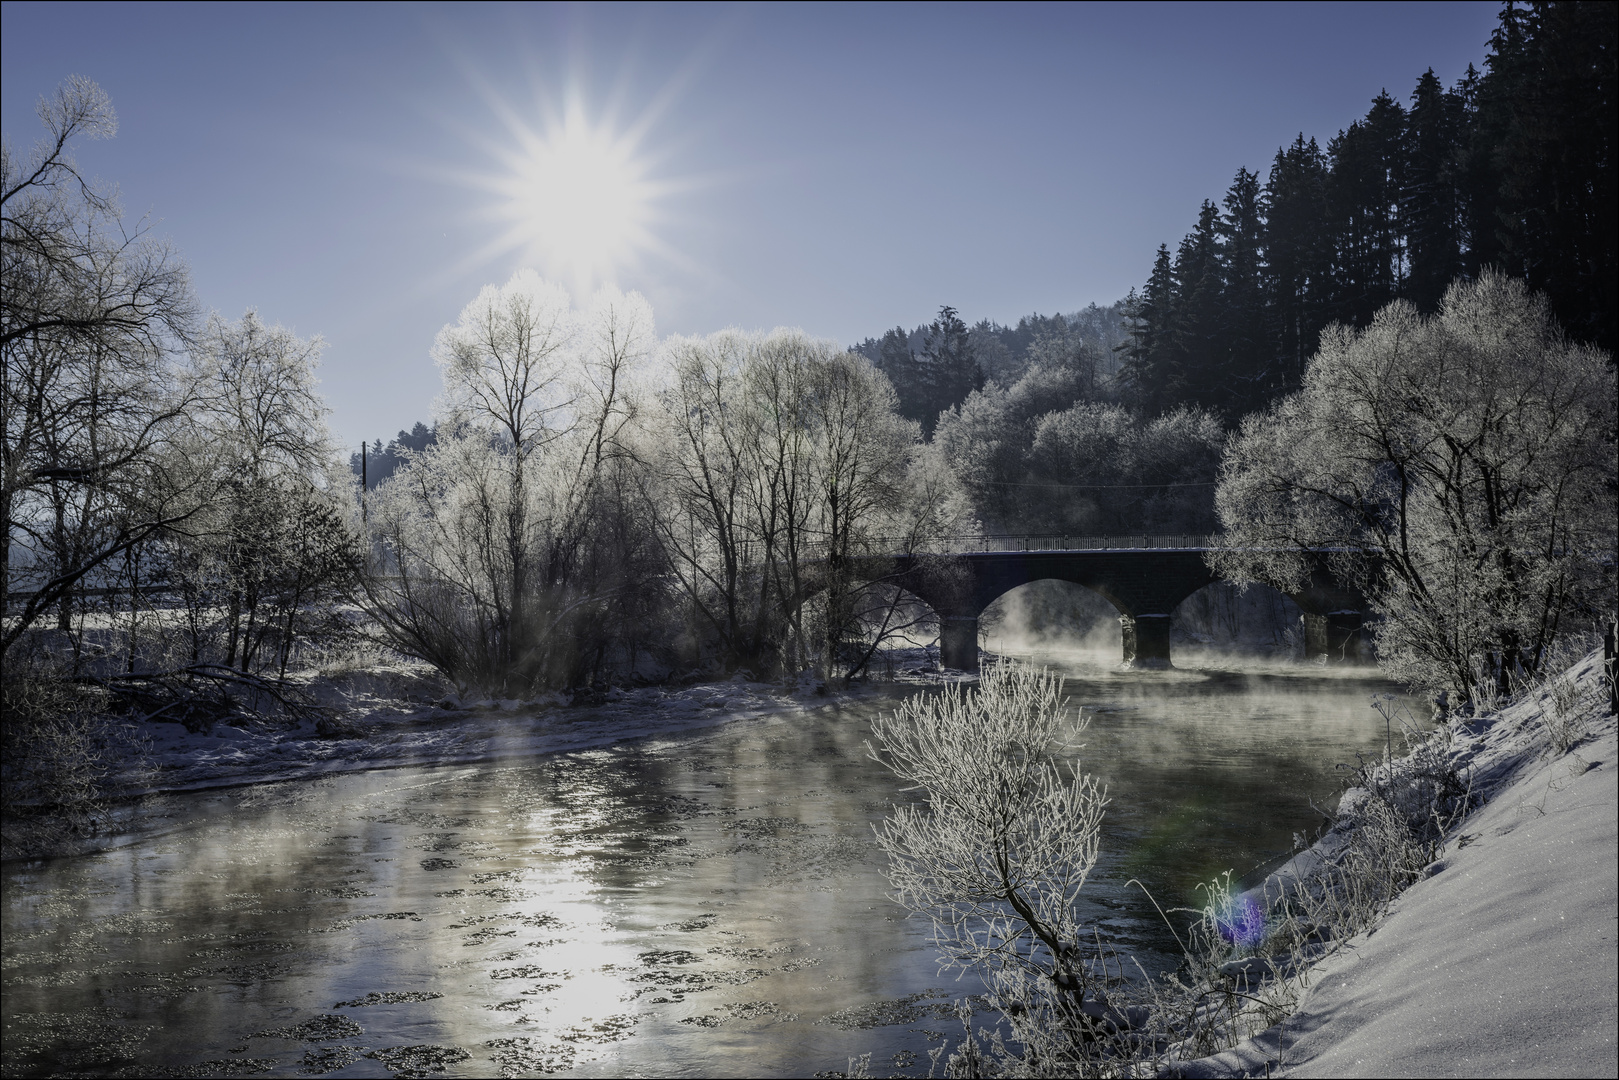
(814, 549)
(958, 545)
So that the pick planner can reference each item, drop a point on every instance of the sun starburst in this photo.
(576, 199)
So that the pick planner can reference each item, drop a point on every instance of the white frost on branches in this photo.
(1000, 849)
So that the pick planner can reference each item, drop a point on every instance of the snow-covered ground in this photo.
(1503, 960)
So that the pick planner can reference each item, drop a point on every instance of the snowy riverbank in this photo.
(1502, 961)
(397, 715)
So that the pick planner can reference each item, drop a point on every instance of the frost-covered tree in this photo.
(262, 561)
(1042, 456)
(90, 316)
(862, 462)
(257, 395)
(496, 568)
(784, 459)
(1100, 470)
(998, 848)
(987, 437)
(1459, 467)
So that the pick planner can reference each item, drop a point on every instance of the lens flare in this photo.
(1240, 921)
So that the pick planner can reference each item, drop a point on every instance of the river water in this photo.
(711, 904)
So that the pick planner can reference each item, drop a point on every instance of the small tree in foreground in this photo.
(998, 853)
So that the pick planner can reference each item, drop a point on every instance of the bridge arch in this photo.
(1145, 584)
(1258, 617)
(1144, 591)
(1049, 610)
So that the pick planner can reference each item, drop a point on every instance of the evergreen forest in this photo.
(1511, 167)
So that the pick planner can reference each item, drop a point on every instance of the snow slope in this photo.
(1503, 961)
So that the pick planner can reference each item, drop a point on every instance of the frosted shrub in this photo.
(1561, 716)
(998, 853)
(1564, 703)
(61, 756)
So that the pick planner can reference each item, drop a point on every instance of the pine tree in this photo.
(1549, 100)
(898, 361)
(1429, 196)
(1147, 362)
(1478, 190)
(1512, 169)
(1298, 255)
(1198, 360)
(950, 368)
(418, 438)
(1244, 345)
(1366, 166)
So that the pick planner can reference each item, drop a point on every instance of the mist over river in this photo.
(708, 904)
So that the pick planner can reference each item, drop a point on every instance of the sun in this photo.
(577, 200)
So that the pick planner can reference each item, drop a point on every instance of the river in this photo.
(711, 904)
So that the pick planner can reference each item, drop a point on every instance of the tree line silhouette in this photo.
(1509, 168)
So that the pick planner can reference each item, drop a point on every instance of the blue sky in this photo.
(838, 168)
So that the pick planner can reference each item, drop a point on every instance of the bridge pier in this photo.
(1334, 638)
(1146, 641)
(958, 642)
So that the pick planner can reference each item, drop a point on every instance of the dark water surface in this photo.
(706, 905)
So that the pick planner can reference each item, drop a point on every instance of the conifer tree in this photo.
(1476, 183)
(950, 370)
(1146, 368)
(1197, 360)
(1511, 169)
(1298, 255)
(1430, 197)
(1245, 349)
(1366, 165)
(1547, 116)
(898, 361)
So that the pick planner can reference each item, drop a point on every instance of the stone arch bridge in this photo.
(1144, 577)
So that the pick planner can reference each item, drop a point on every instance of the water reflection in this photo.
(707, 905)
